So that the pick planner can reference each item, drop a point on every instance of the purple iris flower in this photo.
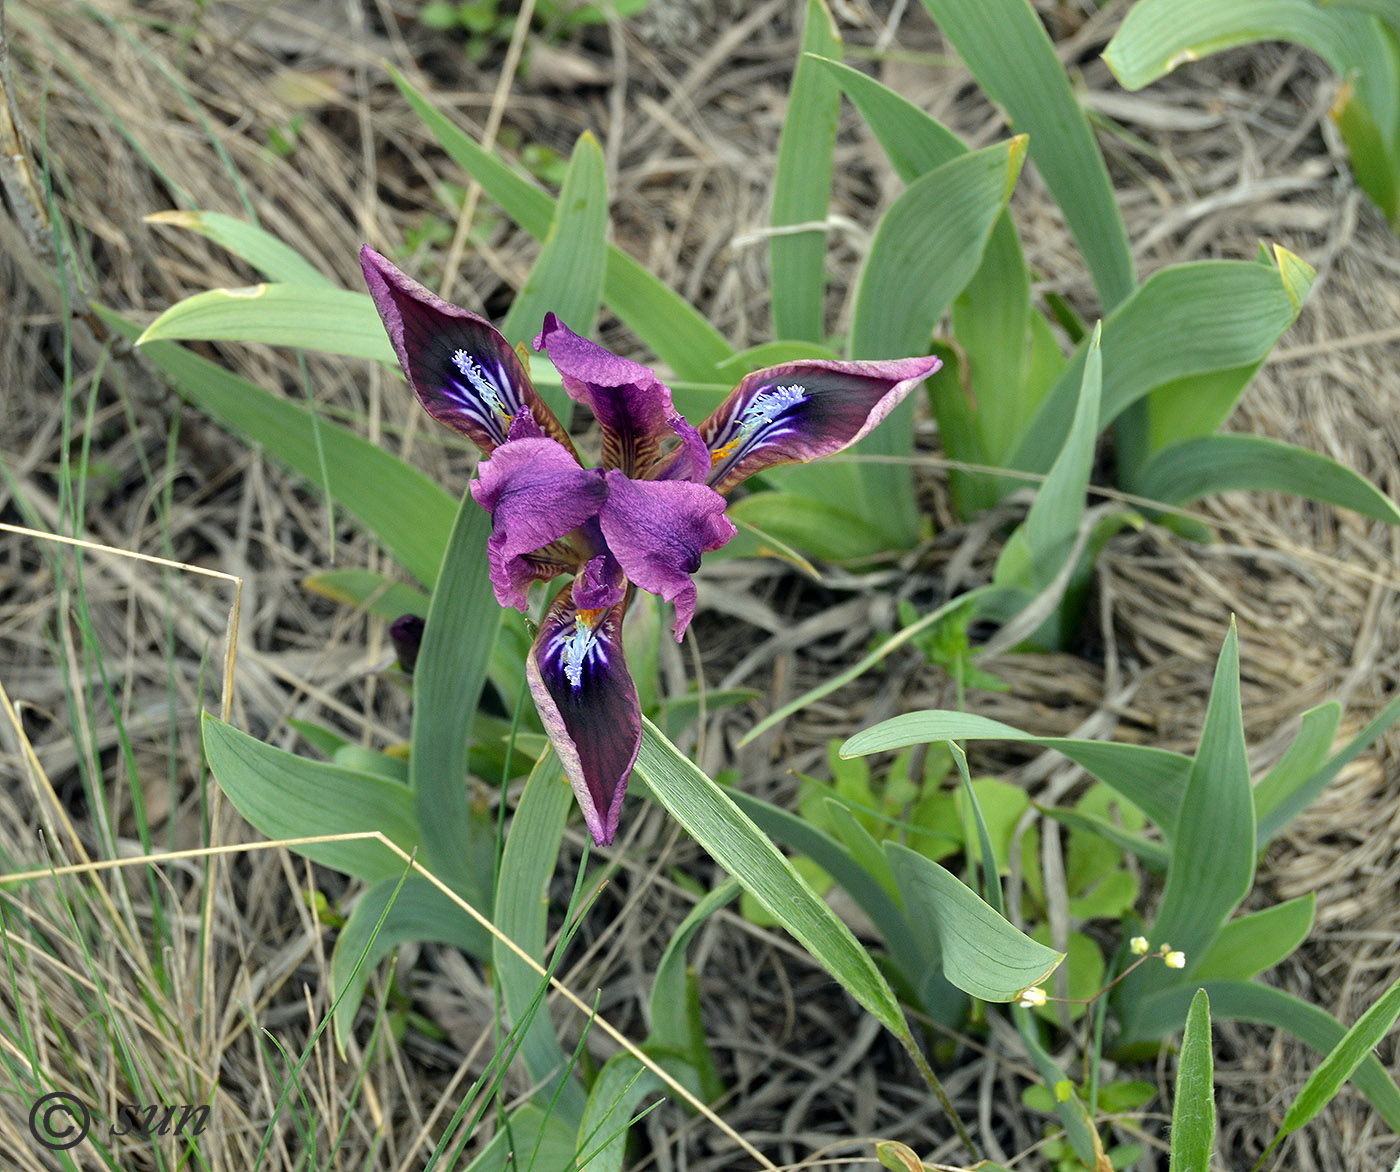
(641, 520)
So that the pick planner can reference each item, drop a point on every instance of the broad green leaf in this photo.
(1152, 779)
(1256, 942)
(1185, 320)
(673, 328)
(531, 1132)
(274, 259)
(1229, 463)
(617, 1092)
(1212, 865)
(374, 592)
(1193, 1109)
(1151, 853)
(1156, 36)
(522, 913)
(286, 796)
(1373, 164)
(926, 248)
(752, 541)
(674, 1007)
(313, 317)
(1329, 1078)
(736, 844)
(802, 185)
(1036, 551)
(463, 618)
(982, 954)
(914, 142)
(1183, 409)
(1302, 759)
(912, 953)
(800, 522)
(865, 852)
(419, 912)
(1289, 805)
(1265, 1005)
(1008, 51)
(406, 512)
(324, 739)
(568, 275)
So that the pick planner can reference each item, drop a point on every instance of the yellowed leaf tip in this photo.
(244, 292)
(177, 216)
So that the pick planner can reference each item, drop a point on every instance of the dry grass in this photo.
(147, 106)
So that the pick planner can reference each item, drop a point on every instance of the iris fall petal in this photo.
(460, 366)
(802, 410)
(588, 704)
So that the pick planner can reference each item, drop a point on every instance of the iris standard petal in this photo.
(536, 493)
(589, 706)
(657, 530)
(796, 412)
(632, 406)
(460, 366)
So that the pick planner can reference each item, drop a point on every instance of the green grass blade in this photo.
(452, 663)
(1193, 1109)
(1152, 779)
(274, 259)
(1188, 471)
(1265, 1005)
(710, 817)
(419, 911)
(1256, 942)
(286, 796)
(409, 514)
(665, 321)
(522, 913)
(568, 275)
(799, 522)
(338, 321)
(802, 185)
(1329, 1078)
(1008, 51)
(621, 1085)
(1185, 320)
(982, 954)
(926, 248)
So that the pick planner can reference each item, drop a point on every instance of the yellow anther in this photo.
(722, 453)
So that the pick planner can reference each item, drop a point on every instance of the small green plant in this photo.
(1357, 38)
(485, 24)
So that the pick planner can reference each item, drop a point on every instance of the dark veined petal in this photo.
(588, 703)
(796, 412)
(460, 366)
(535, 493)
(657, 530)
(631, 404)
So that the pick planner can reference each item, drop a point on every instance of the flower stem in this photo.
(926, 1071)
